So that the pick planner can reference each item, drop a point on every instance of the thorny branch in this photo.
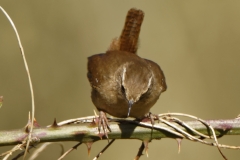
(84, 130)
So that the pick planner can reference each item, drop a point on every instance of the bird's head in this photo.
(136, 81)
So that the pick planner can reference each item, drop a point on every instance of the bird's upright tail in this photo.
(128, 40)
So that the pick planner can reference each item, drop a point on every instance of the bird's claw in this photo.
(103, 124)
(150, 116)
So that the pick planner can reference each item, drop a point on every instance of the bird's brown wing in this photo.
(94, 69)
(158, 74)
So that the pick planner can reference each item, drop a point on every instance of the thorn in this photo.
(35, 123)
(179, 140)
(26, 129)
(100, 135)
(54, 125)
(28, 123)
(146, 146)
(89, 146)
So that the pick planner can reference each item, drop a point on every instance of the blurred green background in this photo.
(195, 42)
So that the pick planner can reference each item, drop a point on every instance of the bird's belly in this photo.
(114, 103)
(117, 106)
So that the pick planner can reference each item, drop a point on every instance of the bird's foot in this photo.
(103, 124)
(150, 117)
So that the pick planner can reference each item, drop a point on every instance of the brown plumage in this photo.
(117, 77)
(128, 40)
(124, 84)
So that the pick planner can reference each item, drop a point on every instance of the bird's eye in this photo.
(123, 89)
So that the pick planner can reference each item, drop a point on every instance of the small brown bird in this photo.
(124, 84)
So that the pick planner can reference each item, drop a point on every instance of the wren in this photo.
(124, 84)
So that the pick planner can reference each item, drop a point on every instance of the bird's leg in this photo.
(150, 116)
(103, 123)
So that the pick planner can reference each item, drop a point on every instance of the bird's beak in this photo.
(130, 103)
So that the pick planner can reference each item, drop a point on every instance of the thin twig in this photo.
(28, 74)
(106, 147)
(188, 127)
(70, 150)
(140, 151)
(202, 121)
(187, 135)
(9, 153)
(87, 119)
(22, 153)
(36, 152)
(178, 129)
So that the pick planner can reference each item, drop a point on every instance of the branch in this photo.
(121, 129)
